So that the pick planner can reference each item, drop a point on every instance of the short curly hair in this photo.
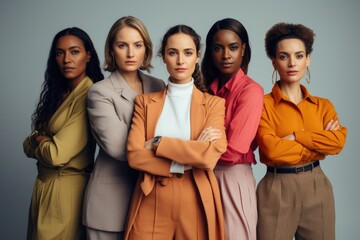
(281, 31)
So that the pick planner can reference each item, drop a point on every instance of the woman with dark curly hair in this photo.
(172, 145)
(296, 130)
(224, 68)
(61, 141)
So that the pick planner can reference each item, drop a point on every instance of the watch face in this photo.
(156, 139)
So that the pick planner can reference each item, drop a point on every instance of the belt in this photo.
(295, 169)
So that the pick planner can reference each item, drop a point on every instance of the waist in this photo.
(49, 173)
(296, 170)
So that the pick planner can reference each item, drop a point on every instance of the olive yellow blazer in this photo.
(205, 111)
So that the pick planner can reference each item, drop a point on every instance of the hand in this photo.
(290, 137)
(148, 144)
(333, 125)
(209, 134)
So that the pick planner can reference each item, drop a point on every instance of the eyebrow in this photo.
(140, 41)
(71, 48)
(177, 50)
(288, 53)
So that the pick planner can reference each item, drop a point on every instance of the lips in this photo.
(68, 69)
(180, 69)
(292, 72)
(130, 62)
(226, 64)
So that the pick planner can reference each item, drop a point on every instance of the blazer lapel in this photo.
(145, 81)
(197, 111)
(153, 111)
(121, 87)
(83, 86)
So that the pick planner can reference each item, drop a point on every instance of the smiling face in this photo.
(227, 52)
(291, 60)
(128, 50)
(71, 58)
(180, 57)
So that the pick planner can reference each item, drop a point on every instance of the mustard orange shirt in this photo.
(307, 120)
(243, 101)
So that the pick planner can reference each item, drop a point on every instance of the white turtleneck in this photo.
(174, 120)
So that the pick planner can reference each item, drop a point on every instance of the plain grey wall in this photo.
(28, 27)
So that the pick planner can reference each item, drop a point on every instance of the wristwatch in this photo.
(155, 142)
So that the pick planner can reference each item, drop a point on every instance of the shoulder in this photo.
(155, 84)
(269, 99)
(151, 96)
(251, 85)
(103, 84)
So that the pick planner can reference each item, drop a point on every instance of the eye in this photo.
(58, 53)
(234, 48)
(121, 46)
(216, 48)
(299, 56)
(188, 53)
(171, 53)
(75, 52)
(282, 57)
(138, 45)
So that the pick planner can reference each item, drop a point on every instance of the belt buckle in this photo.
(299, 170)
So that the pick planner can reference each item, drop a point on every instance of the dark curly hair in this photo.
(198, 81)
(209, 71)
(55, 85)
(281, 31)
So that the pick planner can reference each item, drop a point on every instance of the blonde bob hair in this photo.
(134, 23)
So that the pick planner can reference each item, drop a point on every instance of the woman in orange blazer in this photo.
(176, 139)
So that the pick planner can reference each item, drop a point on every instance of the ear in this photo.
(243, 46)
(88, 57)
(307, 60)
(273, 63)
(198, 57)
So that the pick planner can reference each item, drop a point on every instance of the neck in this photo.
(73, 84)
(292, 91)
(130, 77)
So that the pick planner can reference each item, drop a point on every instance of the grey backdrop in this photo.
(27, 29)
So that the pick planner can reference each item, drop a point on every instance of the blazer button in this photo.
(179, 175)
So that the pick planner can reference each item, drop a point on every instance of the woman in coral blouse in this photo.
(172, 144)
(296, 130)
(224, 67)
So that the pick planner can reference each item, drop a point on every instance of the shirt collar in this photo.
(278, 95)
(229, 85)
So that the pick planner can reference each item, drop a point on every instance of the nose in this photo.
(66, 57)
(226, 53)
(130, 52)
(180, 59)
(292, 62)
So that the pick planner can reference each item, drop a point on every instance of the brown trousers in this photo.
(296, 205)
(171, 211)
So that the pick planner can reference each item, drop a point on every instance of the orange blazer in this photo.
(205, 111)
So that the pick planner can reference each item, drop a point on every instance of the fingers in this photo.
(209, 134)
(148, 144)
(333, 125)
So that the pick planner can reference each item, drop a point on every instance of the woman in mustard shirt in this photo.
(61, 141)
(296, 130)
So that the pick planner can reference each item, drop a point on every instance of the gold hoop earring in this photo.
(307, 75)
(276, 76)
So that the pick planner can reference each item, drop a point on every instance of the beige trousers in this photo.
(296, 205)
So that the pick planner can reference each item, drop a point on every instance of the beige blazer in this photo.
(205, 111)
(110, 109)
